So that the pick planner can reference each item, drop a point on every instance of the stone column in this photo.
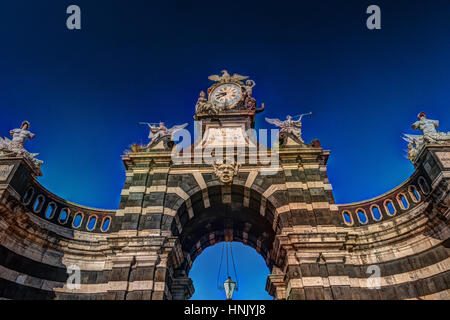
(182, 287)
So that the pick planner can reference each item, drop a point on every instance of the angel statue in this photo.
(161, 132)
(414, 144)
(16, 146)
(225, 78)
(289, 126)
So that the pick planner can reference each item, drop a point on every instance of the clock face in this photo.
(226, 95)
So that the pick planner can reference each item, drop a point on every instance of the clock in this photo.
(226, 95)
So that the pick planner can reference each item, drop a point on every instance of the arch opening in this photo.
(251, 272)
(200, 227)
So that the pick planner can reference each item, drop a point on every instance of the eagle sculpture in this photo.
(226, 77)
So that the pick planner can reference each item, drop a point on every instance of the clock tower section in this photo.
(228, 100)
(226, 111)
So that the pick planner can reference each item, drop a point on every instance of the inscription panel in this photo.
(218, 137)
(444, 158)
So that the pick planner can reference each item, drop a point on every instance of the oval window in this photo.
(50, 212)
(402, 201)
(362, 217)
(28, 195)
(63, 216)
(91, 223)
(77, 220)
(424, 185)
(376, 213)
(38, 204)
(106, 224)
(390, 208)
(347, 218)
(415, 195)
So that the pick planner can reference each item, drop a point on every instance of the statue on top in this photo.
(428, 128)
(161, 132)
(226, 77)
(289, 126)
(16, 146)
(430, 135)
(206, 107)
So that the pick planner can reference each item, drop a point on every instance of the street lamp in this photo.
(229, 286)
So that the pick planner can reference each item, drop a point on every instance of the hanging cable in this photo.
(225, 246)
(219, 286)
(234, 267)
(228, 272)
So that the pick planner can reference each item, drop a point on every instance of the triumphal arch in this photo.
(225, 184)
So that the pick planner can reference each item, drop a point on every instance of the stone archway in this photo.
(225, 219)
(191, 206)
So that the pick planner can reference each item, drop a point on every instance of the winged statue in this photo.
(226, 77)
(415, 143)
(289, 125)
(161, 131)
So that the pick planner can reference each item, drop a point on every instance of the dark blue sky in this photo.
(84, 91)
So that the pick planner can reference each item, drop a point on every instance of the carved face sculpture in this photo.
(225, 172)
(226, 95)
